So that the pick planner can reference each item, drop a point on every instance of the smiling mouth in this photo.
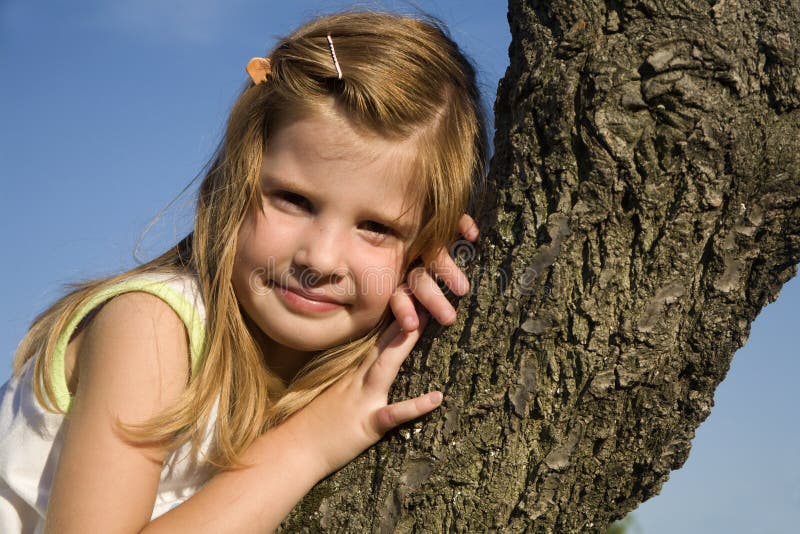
(302, 300)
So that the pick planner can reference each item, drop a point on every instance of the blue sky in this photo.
(110, 108)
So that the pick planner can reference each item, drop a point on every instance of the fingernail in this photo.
(435, 397)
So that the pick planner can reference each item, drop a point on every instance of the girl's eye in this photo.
(377, 228)
(295, 200)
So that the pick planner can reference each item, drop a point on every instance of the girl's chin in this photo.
(312, 342)
(294, 340)
(305, 344)
(302, 334)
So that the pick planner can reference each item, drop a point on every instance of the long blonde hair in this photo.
(402, 78)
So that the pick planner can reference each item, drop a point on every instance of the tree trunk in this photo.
(643, 206)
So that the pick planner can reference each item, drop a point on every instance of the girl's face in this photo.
(316, 266)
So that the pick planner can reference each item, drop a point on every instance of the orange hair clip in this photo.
(258, 68)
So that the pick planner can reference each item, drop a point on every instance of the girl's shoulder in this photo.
(136, 337)
(167, 306)
(181, 291)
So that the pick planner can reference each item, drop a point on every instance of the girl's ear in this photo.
(258, 68)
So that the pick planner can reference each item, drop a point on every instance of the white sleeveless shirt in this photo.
(31, 437)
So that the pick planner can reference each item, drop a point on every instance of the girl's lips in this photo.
(303, 301)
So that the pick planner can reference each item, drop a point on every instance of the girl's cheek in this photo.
(278, 227)
(379, 275)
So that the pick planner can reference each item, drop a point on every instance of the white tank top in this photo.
(31, 437)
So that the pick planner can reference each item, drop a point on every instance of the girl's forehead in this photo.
(330, 140)
(327, 152)
(332, 135)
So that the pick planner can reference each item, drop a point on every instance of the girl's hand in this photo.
(420, 283)
(353, 414)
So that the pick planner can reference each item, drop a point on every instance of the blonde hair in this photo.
(403, 78)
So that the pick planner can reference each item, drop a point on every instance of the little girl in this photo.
(210, 389)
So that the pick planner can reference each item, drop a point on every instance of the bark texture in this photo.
(644, 205)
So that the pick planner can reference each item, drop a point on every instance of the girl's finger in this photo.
(390, 356)
(448, 271)
(430, 297)
(402, 305)
(468, 227)
(398, 413)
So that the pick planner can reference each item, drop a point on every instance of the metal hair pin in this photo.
(333, 55)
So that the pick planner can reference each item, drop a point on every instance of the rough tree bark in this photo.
(644, 205)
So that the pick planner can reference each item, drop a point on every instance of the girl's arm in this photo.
(133, 363)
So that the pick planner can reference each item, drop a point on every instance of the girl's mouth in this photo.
(301, 300)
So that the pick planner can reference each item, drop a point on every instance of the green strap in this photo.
(185, 310)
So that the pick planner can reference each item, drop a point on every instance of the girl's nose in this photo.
(320, 254)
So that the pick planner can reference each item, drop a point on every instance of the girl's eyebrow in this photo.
(282, 183)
